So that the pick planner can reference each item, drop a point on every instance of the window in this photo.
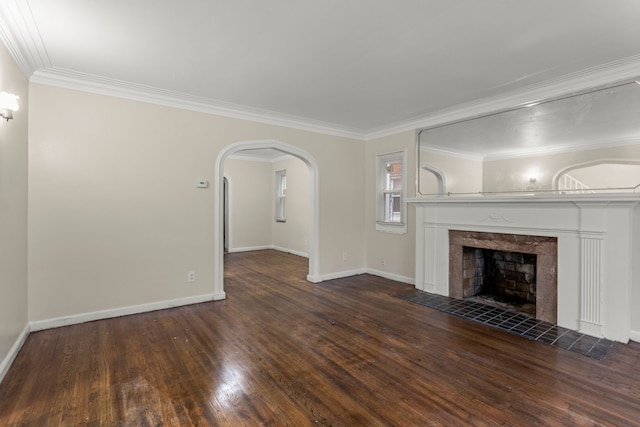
(281, 196)
(391, 213)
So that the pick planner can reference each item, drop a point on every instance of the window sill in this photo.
(391, 227)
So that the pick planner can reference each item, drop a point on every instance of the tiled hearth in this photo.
(515, 323)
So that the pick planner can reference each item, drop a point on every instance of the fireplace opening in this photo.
(500, 278)
(543, 274)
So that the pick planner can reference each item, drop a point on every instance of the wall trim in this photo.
(616, 71)
(274, 247)
(570, 148)
(358, 271)
(634, 336)
(251, 248)
(13, 352)
(291, 251)
(612, 72)
(391, 276)
(20, 34)
(337, 275)
(68, 79)
(57, 322)
(443, 151)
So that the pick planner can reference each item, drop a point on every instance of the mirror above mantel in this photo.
(586, 142)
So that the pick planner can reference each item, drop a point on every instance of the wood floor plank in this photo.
(281, 351)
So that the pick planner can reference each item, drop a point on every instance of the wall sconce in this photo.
(8, 104)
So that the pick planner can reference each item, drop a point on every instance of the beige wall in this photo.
(514, 174)
(396, 250)
(115, 218)
(462, 175)
(252, 199)
(292, 235)
(13, 211)
(250, 191)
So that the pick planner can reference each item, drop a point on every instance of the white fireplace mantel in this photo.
(598, 250)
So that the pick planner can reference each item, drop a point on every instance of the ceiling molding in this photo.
(20, 34)
(458, 154)
(617, 71)
(626, 69)
(531, 152)
(68, 79)
(569, 148)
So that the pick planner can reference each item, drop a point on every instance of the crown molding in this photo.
(595, 77)
(590, 78)
(459, 154)
(84, 82)
(568, 148)
(20, 34)
(528, 152)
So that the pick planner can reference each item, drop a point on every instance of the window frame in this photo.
(281, 196)
(398, 227)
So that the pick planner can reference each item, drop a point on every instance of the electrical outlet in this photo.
(344, 256)
(383, 261)
(191, 276)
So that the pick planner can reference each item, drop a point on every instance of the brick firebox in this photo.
(545, 249)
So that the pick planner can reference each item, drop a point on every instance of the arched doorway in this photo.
(226, 230)
(433, 182)
(219, 206)
(603, 175)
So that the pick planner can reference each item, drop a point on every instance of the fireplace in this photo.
(500, 278)
(587, 250)
(519, 271)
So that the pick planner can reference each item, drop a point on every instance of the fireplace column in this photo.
(591, 292)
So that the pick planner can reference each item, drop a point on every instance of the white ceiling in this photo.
(357, 68)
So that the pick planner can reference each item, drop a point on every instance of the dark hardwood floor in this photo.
(284, 352)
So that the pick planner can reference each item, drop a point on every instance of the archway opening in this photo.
(219, 205)
(433, 181)
(599, 176)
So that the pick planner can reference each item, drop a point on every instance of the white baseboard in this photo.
(392, 276)
(276, 248)
(347, 273)
(634, 336)
(251, 248)
(15, 349)
(336, 275)
(117, 312)
(291, 251)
